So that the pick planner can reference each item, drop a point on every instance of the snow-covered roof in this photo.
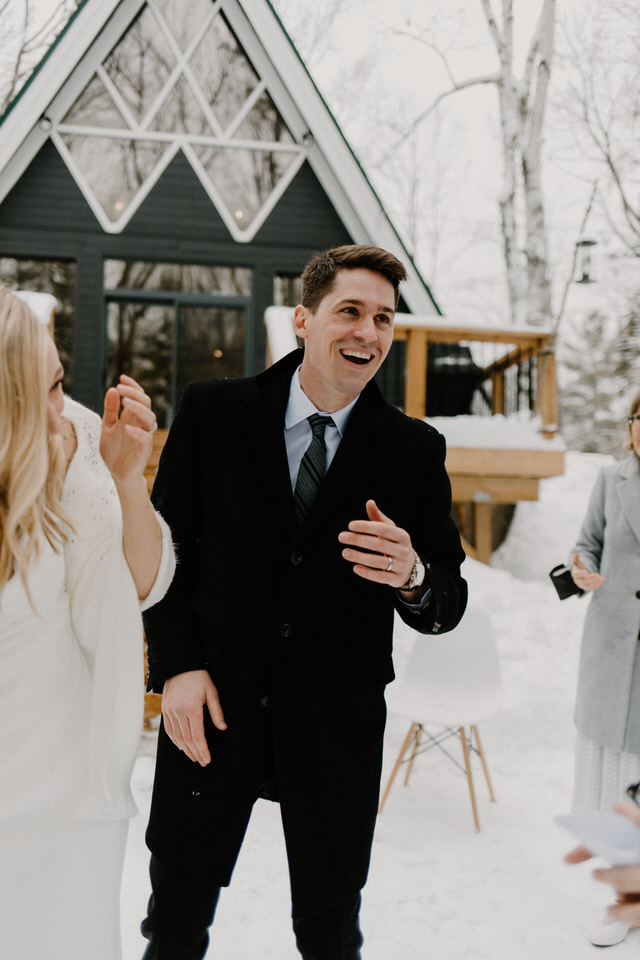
(96, 27)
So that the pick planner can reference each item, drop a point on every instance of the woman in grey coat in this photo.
(606, 561)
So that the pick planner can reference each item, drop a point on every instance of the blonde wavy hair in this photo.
(31, 462)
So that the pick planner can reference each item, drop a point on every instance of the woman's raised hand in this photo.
(128, 425)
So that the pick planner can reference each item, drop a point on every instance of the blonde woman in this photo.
(81, 552)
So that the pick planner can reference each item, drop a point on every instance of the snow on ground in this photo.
(438, 889)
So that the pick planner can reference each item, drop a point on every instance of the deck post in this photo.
(483, 530)
(548, 392)
(415, 373)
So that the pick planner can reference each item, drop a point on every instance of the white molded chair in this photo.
(451, 681)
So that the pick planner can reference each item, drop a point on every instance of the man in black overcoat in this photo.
(273, 644)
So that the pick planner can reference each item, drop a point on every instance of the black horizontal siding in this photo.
(47, 197)
(46, 216)
(304, 217)
(178, 206)
(176, 209)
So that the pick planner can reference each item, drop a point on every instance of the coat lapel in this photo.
(264, 417)
(628, 488)
(352, 458)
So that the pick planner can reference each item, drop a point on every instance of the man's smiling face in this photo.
(347, 337)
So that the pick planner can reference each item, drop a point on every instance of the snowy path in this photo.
(437, 889)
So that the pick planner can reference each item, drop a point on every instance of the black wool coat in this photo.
(298, 646)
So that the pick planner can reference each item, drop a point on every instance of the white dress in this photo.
(71, 701)
(602, 775)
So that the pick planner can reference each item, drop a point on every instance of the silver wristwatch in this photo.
(416, 577)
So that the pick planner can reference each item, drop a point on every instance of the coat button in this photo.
(285, 630)
(637, 594)
(266, 702)
(296, 559)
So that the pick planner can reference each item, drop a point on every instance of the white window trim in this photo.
(139, 128)
(114, 226)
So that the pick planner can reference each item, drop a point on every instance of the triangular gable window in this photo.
(174, 82)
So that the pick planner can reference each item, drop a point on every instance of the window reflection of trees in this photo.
(223, 71)
(184, 28)
(57, 277)
(142, 335)
(182, 277)
(141, 63)
(178, 76)
(211, 344)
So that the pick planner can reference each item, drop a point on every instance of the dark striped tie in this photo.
(312, 467)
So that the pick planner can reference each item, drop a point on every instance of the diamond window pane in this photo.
(264, 122)
(245, 179)
(141, 63)
(181, 112)
(114, 169)
(223, 71)
(95, 108)
(184, 27)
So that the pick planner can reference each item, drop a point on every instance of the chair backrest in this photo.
(452, 679)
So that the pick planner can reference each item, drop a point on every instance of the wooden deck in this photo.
(487, 477)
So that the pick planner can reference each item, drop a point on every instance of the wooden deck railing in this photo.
(521, 371)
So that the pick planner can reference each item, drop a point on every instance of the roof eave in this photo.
(70, 45)
(365, 215)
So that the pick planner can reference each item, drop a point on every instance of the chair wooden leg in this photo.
(467, 765)
(416, 744)
(403, 750)
(483, 761)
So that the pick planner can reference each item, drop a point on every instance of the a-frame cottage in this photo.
(176, 166)
(166, 173)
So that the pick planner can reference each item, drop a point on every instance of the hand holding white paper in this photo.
(606, 834)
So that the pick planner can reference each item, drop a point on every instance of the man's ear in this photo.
(300, 321)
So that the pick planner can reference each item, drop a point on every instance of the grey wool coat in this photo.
(608, 699)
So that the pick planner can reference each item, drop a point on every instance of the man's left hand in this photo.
(389, 556)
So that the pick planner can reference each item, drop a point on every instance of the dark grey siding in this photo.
(46, 216)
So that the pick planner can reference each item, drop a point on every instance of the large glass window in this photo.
(169, 324)
(179, 82)
(182, 277)
(57, 277)
(287, 289)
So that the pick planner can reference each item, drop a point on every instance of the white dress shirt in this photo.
(297, 429)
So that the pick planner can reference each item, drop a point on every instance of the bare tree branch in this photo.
(25, 39)
(458, 86)
(494, 30)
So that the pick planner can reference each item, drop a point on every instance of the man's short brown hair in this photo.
(320, 273)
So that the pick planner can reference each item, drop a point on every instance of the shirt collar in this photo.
(300, 408)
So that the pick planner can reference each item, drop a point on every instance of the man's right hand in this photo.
(183, 699)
